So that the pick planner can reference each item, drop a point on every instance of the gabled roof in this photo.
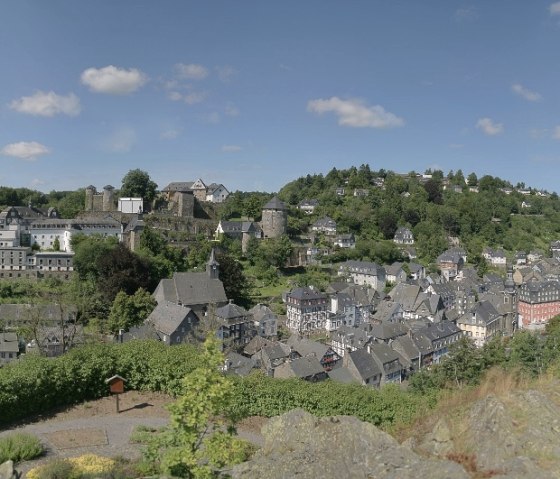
(256, 344)
(276, 350)
(238, 364)
(304, 367)
(364, 363)
(482, 312)
(406, 295)
(364, 267)
(307, 347)
(182, 186)
(231, 312)
(262, 312)
(9, 343)
(387, 330)
(192, 288)
(306, 293)
(167, 317)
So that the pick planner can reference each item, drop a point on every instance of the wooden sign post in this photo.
(116, 387)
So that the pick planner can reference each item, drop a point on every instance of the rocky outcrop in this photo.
(7, 471)
(514, 436)
(298, 444)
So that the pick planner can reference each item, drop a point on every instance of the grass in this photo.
(19, 447)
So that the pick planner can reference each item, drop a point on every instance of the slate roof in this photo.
(238, 364)
(276, 350)
(304, 367)
(364, 267)
(406, 295)
(343, 375)
(191, 288)
(238, 227)
(231, 312)
(275, 204)
(167, 316)
(9, 343)
(262, 312)
(179, 186)
(387, 330)
(365, 364)
(306, 293)
(355, 337)
(408, 347)
(256, 344)
(483, 312)
(307, 347)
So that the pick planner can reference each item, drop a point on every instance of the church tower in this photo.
(213, 267)
(510, 303)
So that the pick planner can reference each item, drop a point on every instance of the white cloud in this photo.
(122, 140)
(36, 182)
(538, 133)
(213, 118)
(47, 104)
(169, 134)
(556, 133)
(231, 110)
(113, 80)
(466, 14)
(489, 127)
(231, 148)
(525, 92)
(554, 8)
(25, 150)
(226, 73)
(195, 97)
(175, 96)
(191, 71)
(355, 113)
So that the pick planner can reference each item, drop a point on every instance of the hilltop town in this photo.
(364, 276)
(375, 280)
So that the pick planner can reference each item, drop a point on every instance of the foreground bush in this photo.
(259, 395)
(37, 384)
(86, 466)
(19, 447)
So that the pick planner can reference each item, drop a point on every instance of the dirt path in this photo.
(95, 427)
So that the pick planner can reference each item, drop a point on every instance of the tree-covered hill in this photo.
(480, 212)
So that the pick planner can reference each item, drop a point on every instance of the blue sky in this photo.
(253, 94)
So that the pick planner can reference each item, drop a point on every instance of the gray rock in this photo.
(298, 444)
(519, 435)
(7, 471)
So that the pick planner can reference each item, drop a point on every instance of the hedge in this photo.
(35, 385)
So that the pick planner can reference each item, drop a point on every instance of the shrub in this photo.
(86, 466)
(55, 469)
(19, 447)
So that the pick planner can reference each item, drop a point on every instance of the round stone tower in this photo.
(274, 218)
(108, 198)
(90, 192)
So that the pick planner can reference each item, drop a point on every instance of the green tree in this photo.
(199, 440)
(235, 283)
(472, 179)
(88, 250)
(56, 244)
(137, 183)
(129, 310)
(122, 270)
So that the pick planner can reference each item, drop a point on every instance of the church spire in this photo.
(212, 266)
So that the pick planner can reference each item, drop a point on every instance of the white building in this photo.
(131, 205)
